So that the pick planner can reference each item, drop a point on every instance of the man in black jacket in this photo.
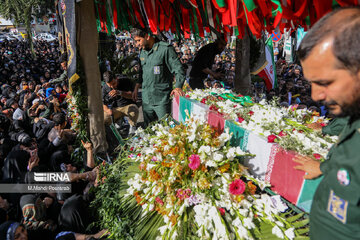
(202, 64)
(117, 100)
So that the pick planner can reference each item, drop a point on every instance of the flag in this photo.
(66, 15)
(300, 35)
(268, 73)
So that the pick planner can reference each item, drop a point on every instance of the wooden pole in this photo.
(87, 38)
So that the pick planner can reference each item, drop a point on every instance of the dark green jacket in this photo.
(335, 126)
(62, 78)
(159, 65)
(335, 211)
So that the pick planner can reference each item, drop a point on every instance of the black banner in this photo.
(67, 36)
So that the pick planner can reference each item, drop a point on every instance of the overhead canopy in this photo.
(226, 16)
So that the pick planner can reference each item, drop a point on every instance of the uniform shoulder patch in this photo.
(337, 207)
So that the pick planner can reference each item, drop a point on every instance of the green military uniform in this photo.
(62, 78)
(335, 127)
(335, 211)
(159, 64)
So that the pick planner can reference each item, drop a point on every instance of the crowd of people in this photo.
(35, 133)
(292, 88)
(35, 137)
(186, 50)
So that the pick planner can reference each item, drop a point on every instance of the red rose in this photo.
(317, 156)
(323, 124)
(240, 119)
(159, 201)
(282, 134)
(251, 113)
(187, 96)
(222, 211)
(271, 138)
(237, 187)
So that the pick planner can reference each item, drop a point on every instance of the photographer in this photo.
(202, 64)
(117, 100)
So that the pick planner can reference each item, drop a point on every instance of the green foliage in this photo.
(78, 111)
(123, 215)
(23, 11)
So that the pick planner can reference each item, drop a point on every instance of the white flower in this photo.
(277, 231)
(243, 233)
(248, 223)
(243, 212)
(220, 228)
(280, 224)
(224, 137)
(171, 141)
(237, 222)
(231, 153)
(210, 163)
(150, 166)
(174, 235)
(217, 156)
(290, 233)
(166, 219)
(151, 207)
(239, 151)
(245, 204)
(192, 137)
(204, 149)
(278, 203)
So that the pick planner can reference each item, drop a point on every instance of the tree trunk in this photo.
(28, 31)
(242, 65)
(87, 37)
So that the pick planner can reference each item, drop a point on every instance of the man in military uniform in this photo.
(330, 57)
(63, 76)
(159, 64)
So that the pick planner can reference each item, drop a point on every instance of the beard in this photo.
(351, 110)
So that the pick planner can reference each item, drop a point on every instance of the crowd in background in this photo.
(35, 137)
(292, 88)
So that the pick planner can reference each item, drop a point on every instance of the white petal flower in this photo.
(204, 149)
(290, 233)
(217, 156)
(231, 153)
(248, 223)
(277, 231)
(243, 232)
(280, 224)
(210, 163)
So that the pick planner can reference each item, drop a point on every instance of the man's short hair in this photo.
(59, 118)
(137, 32)
(344, 29)
(108, 76)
